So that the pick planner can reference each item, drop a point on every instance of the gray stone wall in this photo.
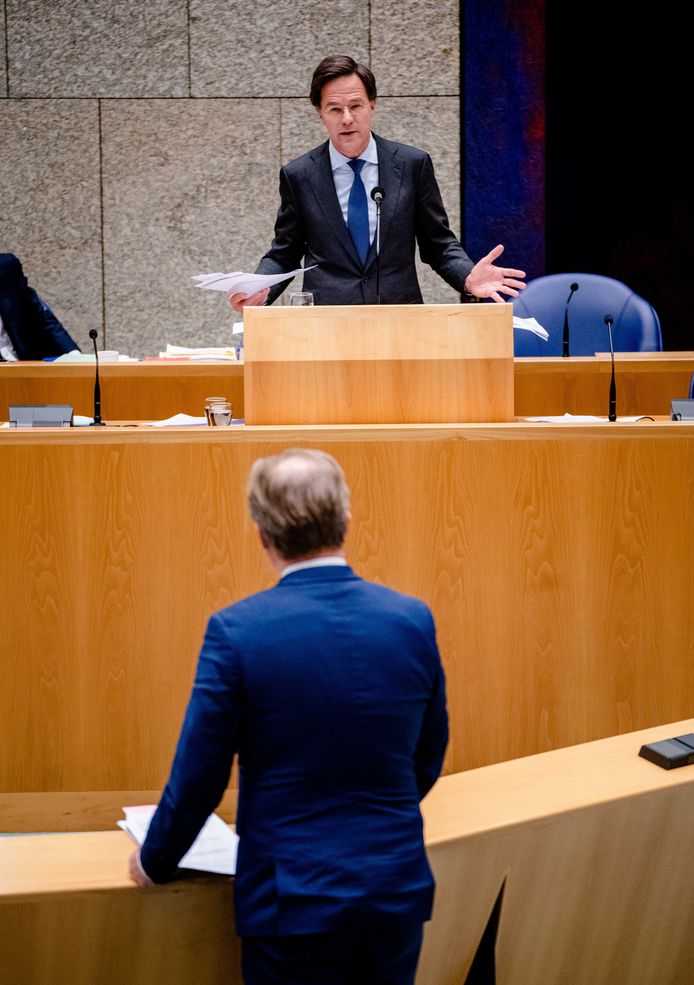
(140, 142)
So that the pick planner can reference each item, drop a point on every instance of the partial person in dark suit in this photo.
(331, 691)
(28, 327)
(319, 218)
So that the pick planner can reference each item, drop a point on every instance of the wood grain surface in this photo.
(591, 847)
(145, 391)
(557, 562)
(154, 391)
(581, 384)
(395, 364)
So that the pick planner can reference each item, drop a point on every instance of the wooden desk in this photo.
(592, 847)
(646, 383)
(557, 562)
(145, 391)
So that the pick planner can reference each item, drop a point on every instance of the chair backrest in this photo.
(691, 388)
(636, 325)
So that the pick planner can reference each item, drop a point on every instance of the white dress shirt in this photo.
(343, 176)
(328, 560)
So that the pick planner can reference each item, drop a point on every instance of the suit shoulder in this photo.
(10, 262)
(390, 599)
(250, 606)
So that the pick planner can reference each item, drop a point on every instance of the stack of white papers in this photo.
(105, 356)
(181, 421)
(225, 353)
(241, 283)
(214, 849)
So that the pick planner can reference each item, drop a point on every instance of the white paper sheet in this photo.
(214, 849)
(580, 419)
(531, 325)
(241, 283)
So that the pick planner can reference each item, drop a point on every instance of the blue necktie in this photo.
(358, 212)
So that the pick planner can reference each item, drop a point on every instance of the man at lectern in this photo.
(328, 210)
(331, 691)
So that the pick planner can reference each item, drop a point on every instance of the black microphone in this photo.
(565, 343)
(378, 194)
(609, 321)
(93, 335)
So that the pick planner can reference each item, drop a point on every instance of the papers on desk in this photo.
(105, 356)
(180, 421)
(214, 849)
(531, 325)
(210, 353)
(580, 419)
(187, 421)
(240, 283)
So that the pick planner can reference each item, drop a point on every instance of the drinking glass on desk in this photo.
(220, 414)
(208, 403)
(300, 299)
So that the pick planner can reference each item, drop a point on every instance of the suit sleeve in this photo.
(204, 755)
(433, 737)
(54, 340)
(289, 242)
(437, 245)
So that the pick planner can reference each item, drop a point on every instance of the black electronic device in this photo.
(670, 753)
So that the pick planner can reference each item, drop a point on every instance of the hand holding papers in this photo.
(240, 283)
(214, 849)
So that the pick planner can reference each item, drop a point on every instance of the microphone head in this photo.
(574, 287)
(378, 194)
(609, 320)
(93, 334)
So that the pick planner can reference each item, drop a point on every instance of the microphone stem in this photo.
(378, 252)
(565, 340)
(612, 416)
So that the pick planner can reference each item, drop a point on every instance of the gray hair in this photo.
(300, 501)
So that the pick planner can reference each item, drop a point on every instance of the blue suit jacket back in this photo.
(332, 692)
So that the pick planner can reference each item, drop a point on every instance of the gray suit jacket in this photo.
(310, 226)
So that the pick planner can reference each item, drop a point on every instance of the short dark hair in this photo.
(300, 501)
(335, 66)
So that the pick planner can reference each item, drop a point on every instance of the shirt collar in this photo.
(338, 160)
(316, 562)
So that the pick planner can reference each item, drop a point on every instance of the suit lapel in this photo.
(320, 176)
(390, 171)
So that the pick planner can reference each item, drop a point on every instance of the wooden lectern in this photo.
(371, 364)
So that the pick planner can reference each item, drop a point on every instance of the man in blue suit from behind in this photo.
(330, 690)
(28, 327)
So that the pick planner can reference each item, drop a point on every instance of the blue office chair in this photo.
(691, 388)
(636, 325)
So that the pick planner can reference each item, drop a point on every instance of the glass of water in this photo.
(208, 403)
(219, 414)
(300, 299)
